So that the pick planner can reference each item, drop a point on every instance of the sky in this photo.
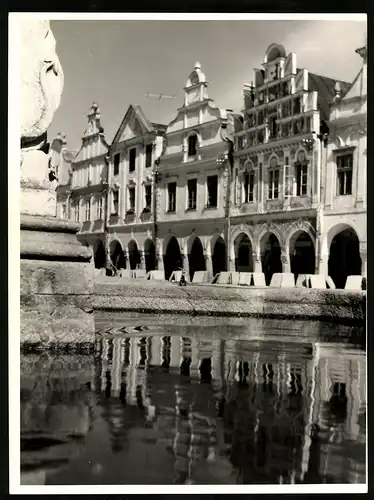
(115, 63)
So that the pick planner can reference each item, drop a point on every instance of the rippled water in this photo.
(177, 400)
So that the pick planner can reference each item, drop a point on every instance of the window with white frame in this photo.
(116, 161)
(192, 193)
(88, 209)
(172, 192)
(99, 208)
(212, 188)
(131, 204)
(192, 145)
(148, 196)
(301, 171)
(132, 159)
(115, 197)
(248, 186)
(76, 210)
(344, 174)
(148, 155)
(273, 180)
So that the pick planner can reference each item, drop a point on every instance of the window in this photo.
(114, 202)
(132, 158)
(88, 209)
(212, 185)
(116, 164)
(272, 127)
(297, 106)
(192, 145)
(301, 179)
(192, 193)
(172, 191)
(148, 155)
(63, 211)
(344, 164)
(99, 208)
(249, 182)
(76, 211)
(148, 195)
(131, 206)
(273, 185)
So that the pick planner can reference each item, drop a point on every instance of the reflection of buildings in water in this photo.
(274, 398)
(339, 402)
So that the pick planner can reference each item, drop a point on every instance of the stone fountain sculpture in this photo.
(56, 270)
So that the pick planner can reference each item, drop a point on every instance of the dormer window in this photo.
(192, 145)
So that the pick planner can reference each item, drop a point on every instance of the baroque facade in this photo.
(192, 183)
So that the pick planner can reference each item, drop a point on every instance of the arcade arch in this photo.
(99, 255)
(219, 256)
(344, 254)
(134, 255)
(172, 257)
(116, 255)
(243, 253)
(302, 253)
(196, 259)
(270, 256)
(149, 255)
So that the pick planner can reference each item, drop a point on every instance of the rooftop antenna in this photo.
(160, 96)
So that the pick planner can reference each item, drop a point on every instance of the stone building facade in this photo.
(135, 150)
(192, 184)
(277, 170)
(264, 191)
(343, 234)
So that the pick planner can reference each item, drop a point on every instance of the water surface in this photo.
(178, 400)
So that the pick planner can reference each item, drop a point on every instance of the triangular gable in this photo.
(133, 124)
(358, 87)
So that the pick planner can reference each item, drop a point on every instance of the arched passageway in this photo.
(270, 256)
(344, 257)
(99, 256)
(219, 256)
(302, 254)
(243, 254)
(117, 256)
(134, 255)
(196, 260)
(149, 255)
(172, 258)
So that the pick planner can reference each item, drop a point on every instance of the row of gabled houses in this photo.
(280, 186)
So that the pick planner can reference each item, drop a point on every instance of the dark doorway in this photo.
(344, 259)
(117, 256)
(149, 255)
(196, 257)
(99, 256)
(172, 257)
(302, 254)
(271, 257)
(219, 257)
(134, 255)
(243, 261)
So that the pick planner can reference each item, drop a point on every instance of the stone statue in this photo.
(41, 88)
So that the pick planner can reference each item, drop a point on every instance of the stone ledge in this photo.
(52, 224)
(336, 305)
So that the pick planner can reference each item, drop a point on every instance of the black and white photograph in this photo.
(192, 294)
